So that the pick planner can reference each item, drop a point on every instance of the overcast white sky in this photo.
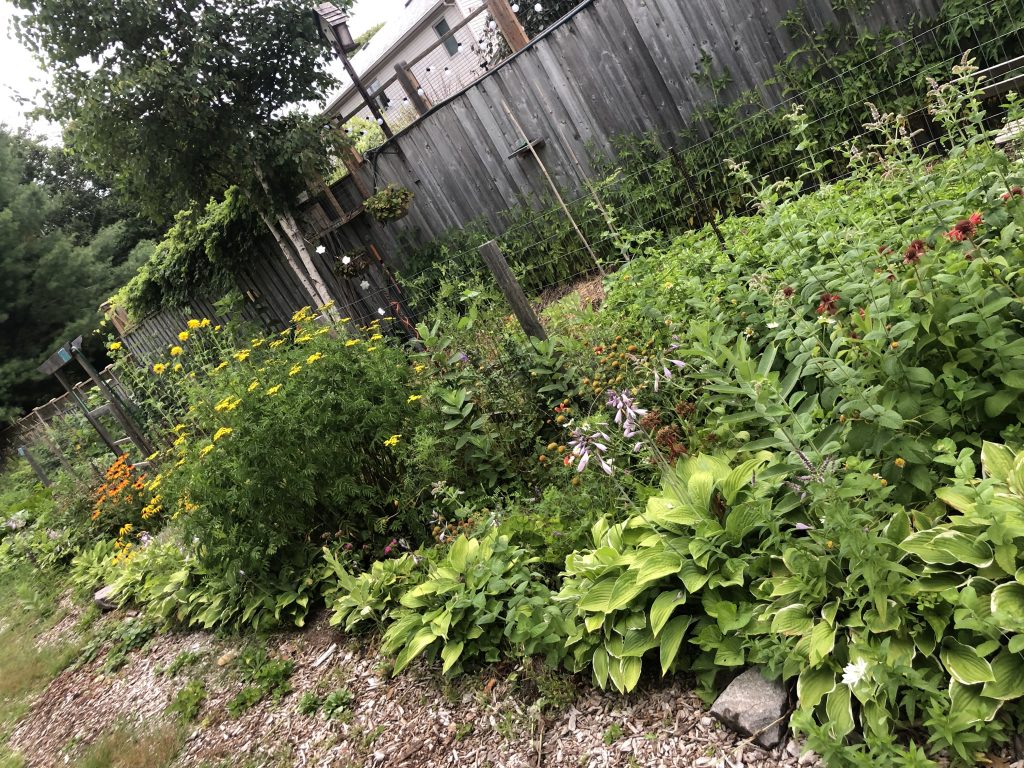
(21, 78)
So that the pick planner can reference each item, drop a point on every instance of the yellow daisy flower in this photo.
(414, 398)
(392, 441)
(183, 336)
(193, 324)
(314, 357)
(351, 342)
(114, 346)
(159, 368)
(274, 389)
(295, 369)
(243, 355)
(222, 432)
(254, 385)
(205, 450)
(176, 350)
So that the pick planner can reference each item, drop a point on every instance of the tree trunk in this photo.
(291, 228)
(286, 249)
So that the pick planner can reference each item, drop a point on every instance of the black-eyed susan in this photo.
(159, 368)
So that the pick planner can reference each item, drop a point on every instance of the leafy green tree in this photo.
(179, 100)
(51, 282)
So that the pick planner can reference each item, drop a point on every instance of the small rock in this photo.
(104, 598)
(227, 657)
(752, 705)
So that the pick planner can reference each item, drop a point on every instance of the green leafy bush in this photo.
(477, 603)
(389, 204)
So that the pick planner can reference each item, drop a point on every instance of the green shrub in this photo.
(480, 601)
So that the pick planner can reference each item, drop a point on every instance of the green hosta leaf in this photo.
(1008, 605)
(792, 620)
(596, 599)
(671, 637)
(957, 499)
(740, 477)
(450, 655)
(968, 707)
(600, 662)
(948, 547)
(624, 592)
(997, 461)
(700, 487)
(693, 577)
(1008, 669)
(813, 684)
(964, 664)
(631, 668)
(823, 640)
(839, 709)
(419, 642)
(662, 607)
(655, 565)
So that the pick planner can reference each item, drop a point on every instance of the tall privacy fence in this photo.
(533, 128)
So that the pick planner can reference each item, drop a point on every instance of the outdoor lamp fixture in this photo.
(333, 25)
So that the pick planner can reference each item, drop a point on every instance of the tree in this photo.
(52, 280)
(179, 100)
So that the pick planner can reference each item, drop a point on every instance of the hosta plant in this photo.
(480, 601)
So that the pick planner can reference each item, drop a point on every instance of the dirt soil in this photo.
(490, 719)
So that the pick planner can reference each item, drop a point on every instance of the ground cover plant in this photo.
(792, 441)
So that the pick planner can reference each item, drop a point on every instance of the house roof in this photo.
(384, 43)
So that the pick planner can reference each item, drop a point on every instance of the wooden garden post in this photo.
(513, 292)
(36, 467)
(508, 24)
(412, 88)
(126, 421)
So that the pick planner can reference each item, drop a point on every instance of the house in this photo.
(443, 63)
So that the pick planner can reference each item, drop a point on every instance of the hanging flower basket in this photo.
(389, 204)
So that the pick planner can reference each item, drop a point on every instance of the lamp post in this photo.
(334, 27)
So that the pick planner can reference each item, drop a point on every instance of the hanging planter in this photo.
(389, 204)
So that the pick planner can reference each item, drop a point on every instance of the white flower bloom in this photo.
(380, 311)
(346, 260)
(321, 249)
(854, 672)
(365, 284)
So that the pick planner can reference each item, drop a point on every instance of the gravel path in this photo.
(489, 719)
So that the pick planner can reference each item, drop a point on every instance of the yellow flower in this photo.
(179, 440)
(414, 398)
(326, 306)
(205, 323)
(229, 403)
(370, 349)
(257, 343)
(216, 327)
(392, 441)
(274, 389)
(222, 432)
(345, 320)
(193, 324)
(900, 462)
(302, 314)
(295, 369)
(276, 343)
(223, 364)
(159, 368)
(183, 336)
(254, 385)
(419, 367)
(303, 338)
(176, 350)
(322, 331)
(178, 427)
(242, 356)
(351, 342)
(376, 337)
(205, 450)
(114, 346)
(314, 357)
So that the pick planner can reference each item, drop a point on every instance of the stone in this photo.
(751, 704)
(227, 657)
(104, 598)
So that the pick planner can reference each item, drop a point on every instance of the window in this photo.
(450, 43)
(382, 98)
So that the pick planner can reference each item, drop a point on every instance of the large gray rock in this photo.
(104, 598)
(752, 704)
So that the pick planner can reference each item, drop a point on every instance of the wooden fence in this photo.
(611, 67)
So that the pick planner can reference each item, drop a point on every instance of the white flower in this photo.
(346, 260)
(854, 672)
(380, 311)
(321, 249)
(365, 284)
(773, 326)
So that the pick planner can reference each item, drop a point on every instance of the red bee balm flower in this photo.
(914, 252)
(829, 303)
(965, 229)
(1013, 192)
(787, 291)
